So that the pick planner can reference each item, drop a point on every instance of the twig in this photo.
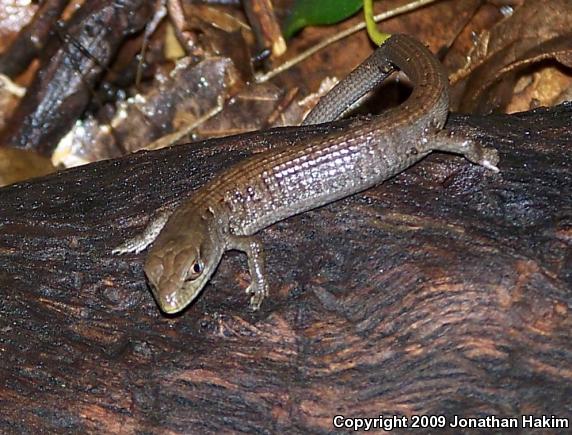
(170, 139)
(261, 78)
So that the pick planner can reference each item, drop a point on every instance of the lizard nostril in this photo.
(154, 269)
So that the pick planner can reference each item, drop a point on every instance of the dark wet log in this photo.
(70, 68)
(31, 38)
(446, 291)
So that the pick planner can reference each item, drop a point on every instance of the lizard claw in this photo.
(489, 159)
(478, 154)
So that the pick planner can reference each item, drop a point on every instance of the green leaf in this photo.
(319, 12)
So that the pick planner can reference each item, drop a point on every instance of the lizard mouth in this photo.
(177, 300)
(169, 303)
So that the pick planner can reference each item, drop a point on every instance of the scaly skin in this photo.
(268, 187)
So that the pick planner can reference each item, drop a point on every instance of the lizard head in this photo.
(182, 260)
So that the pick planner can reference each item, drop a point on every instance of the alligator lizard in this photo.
(226, 212)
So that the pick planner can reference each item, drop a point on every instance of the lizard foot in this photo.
(257, 291)
(486, 157)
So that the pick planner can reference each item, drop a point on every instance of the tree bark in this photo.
(445, 291)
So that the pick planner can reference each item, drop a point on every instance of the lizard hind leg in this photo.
(464, 145)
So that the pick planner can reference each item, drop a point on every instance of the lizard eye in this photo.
(195, 270)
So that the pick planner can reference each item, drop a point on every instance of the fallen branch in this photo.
(444, 291)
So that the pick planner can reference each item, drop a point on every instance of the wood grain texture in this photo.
(445, 291)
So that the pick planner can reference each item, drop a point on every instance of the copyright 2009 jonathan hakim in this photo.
(390, 422)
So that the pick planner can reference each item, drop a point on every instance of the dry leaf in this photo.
(537, 31)
(17, 165)
(14, 14)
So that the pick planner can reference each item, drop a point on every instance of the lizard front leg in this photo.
(148, 236)
(258, 288)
